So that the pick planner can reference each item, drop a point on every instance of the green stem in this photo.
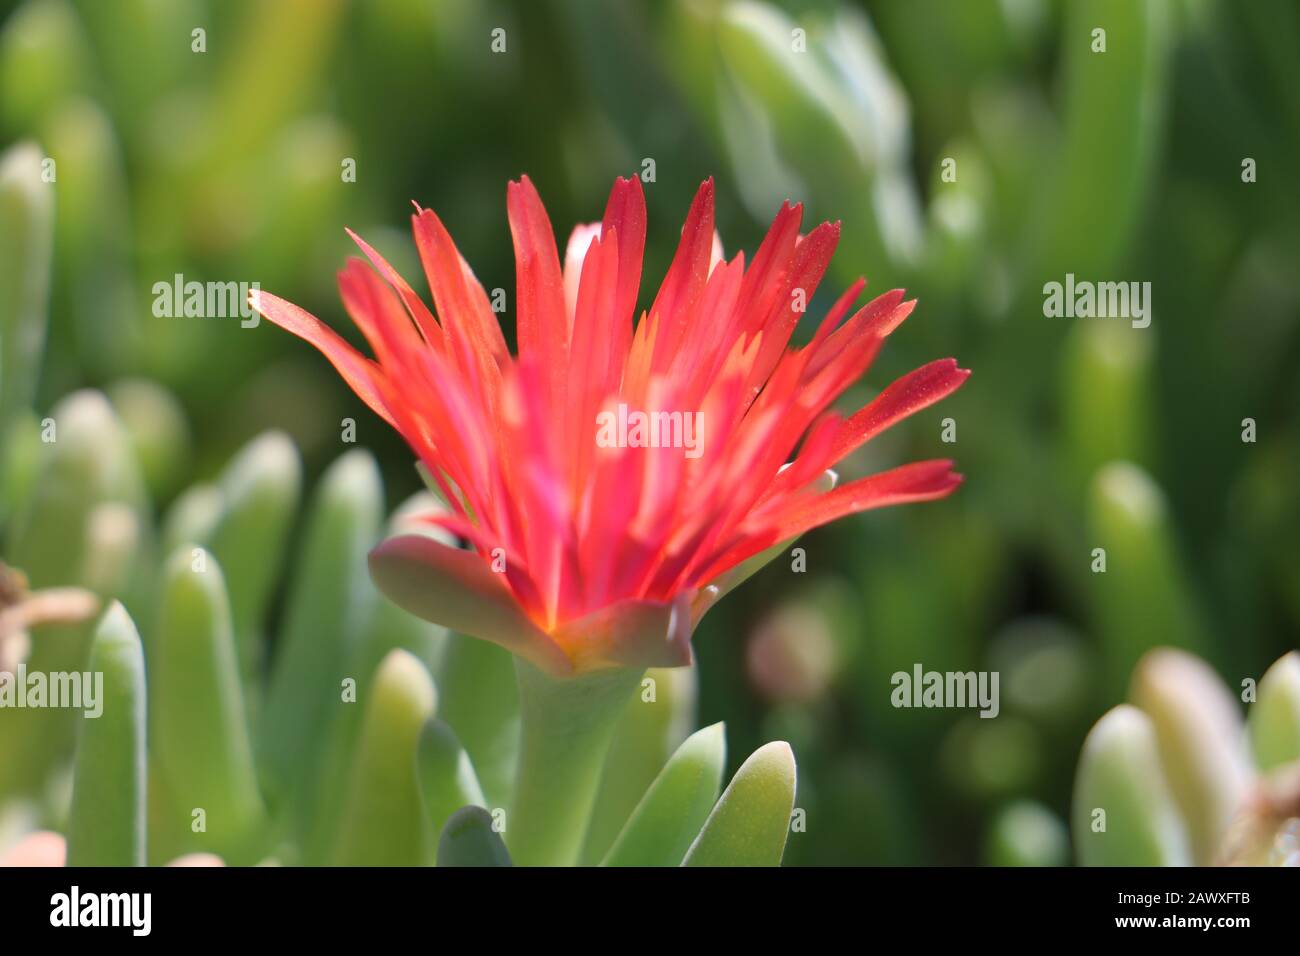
(567, 725)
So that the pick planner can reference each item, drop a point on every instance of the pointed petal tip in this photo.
(958, 373)
(524, 183)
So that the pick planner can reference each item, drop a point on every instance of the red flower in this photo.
(594, 550)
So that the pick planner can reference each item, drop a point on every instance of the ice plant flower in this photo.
(589, 553)
(594, 550)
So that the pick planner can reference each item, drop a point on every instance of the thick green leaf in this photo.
(1113, 108)
(106, 826)
(328, 601)
(1105, 394)
(43, 59)
(447, 778)
(88, 461)
(98, 316)
(835, 113)
(654, 724)
(155, 422)
(260, 489)
(1123, 814)
(479, 698)
(661, 828)
(383, 820)
(199, 732)
(78, 526)
(751, 821)
(389, 626)
(470, 840)
(1275, 715)
(1201, 738)
(192, 517)
(384, 628)
(26, 219)
(1142, 599)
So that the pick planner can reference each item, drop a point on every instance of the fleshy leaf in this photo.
(478, 696)
(106, 826)
(328, 599)
(199, 732)
(1123, 814)
(260, 489)
(651, 729)
(447, 778)
(383, 820)
(1142, 599)
(1275, 715)
(661, 828)
(468, 839)
(749, 824)
(26, 216)
(1201, 739)
(60, 537)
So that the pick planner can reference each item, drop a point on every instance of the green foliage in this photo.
(199, 730)
(106, 826)
(661, 828)
(128, 156)
(1123, 814)
(749, 824)
(1168, 780)
(469, 839)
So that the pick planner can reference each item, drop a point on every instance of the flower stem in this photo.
(567, 725)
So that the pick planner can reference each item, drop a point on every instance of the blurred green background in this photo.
(1074, 434)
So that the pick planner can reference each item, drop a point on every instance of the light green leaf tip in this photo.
(1275, 715)
(200, 735)
(1123, 814)
(661, 828)
(447, 778)
(1201, 739)
(652, 727)
(468, 839)
(383, 820)
(328, 600)
(106, 826)
(749, 825)
(260, 491)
